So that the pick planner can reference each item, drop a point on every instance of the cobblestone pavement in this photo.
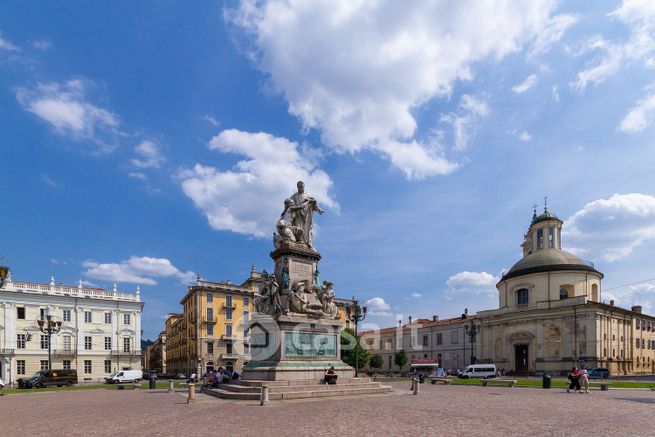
(437, 410)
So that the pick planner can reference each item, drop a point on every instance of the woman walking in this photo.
(574, 377)
(584, 379)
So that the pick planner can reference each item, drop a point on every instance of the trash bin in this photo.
(152, 383)
(546, 382)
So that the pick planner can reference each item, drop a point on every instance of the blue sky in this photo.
(144, 143)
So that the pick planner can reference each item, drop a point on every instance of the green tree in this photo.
(400, 359)
(375, 362)
(348, 346)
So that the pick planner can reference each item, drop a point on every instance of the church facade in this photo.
(551, 315)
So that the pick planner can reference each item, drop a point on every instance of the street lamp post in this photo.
(49, 327)
(358, 314)
(472, 331)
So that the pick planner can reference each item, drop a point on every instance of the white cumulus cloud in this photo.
(6, 45)
(471, 283)
(378, 307)
(137, 270)
(639, 17)
(66, 108)
(528, 83)
(639, 117)
(611, 229)
(148, 155)
(357, 71)
(463, 122)
(248, 199)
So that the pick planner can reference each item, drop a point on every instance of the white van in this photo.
(125, 376)
(479, 371)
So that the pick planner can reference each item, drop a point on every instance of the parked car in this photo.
(125, 376)
(180, 376)
(149, 375)
(598, 373)
(45, 378)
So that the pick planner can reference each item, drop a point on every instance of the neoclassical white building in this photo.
(551, 315)
(100, 329)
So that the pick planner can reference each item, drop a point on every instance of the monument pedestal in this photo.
(294, 348)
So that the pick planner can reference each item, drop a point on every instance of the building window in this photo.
(638, 323)
(88, 343)
(126, 319)
(126, 344)
(228, 301)
(44, 342)
(20, 341)
(88, 317)
(246, 349)
(210, 298)
(107, 343)
(43, 312)
(210, 314)
(107, 366)
(439, 338)
(246, 333)
(87, 366)
(454, 337)
(228, 314)
(246, 302)
(228, 348)
(66, 315)
(44, 365)
(522, 296)
(210, 329)
(67, 343)
(425, 340)
(229, 366)
(210, 348)
(540, 238)
(551, 236)
(20, 314)
(636, 340)
(228, 330)
(108, 318)
(66, 365)
(563, 293)
(20, 366)
(246, 317)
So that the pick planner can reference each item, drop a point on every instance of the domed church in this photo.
(551, 316)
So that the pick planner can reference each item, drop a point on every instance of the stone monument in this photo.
(294, 332)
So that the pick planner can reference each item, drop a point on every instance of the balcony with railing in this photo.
(6, 352)
(65, 352)
(65, 290)
(231, 356)
(231, 337)
(127, 353)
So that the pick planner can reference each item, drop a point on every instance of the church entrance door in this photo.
(521, 359)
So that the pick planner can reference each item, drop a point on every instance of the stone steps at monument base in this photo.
(238, 388)
(343, 390)
(259, 383)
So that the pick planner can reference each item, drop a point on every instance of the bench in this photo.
(505, 382)
(443, 381)
(604, 386)
(127, 386)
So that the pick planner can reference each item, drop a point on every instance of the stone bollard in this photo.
(416, 386)
(192, 393)
(264, 398)
(170, 386)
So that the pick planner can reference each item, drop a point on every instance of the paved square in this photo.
(438, 410)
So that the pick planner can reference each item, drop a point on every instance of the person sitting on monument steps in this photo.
(331, 376)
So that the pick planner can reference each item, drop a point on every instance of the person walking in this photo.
(574, 378)
(584, 379)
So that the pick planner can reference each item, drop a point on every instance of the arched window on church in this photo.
(522, 296)
(563, 293)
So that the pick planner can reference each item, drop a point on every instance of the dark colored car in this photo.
(46, 378)
(598, 373)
